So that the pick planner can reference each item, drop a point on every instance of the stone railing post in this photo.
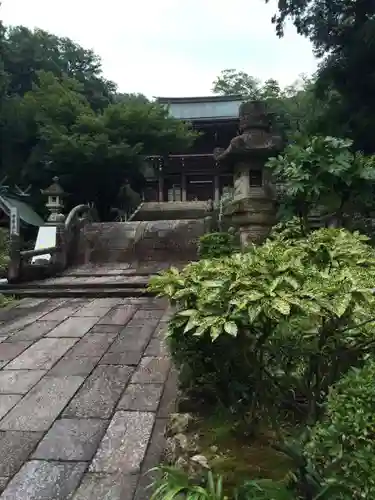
(208, 224)
(14, 266)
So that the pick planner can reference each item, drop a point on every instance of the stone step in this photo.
(93, 292)
(87, 274)
(78, 284)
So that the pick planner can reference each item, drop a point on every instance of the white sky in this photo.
(171, 47)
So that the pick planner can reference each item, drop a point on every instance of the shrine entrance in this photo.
(200, 188)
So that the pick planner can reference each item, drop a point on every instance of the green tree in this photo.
(59, 115)
(343, 36)
(94, 154)
(123, 97)
(322, 172)
(233, 82)
(270, 90)
(303, 113)
(26, 52)
(296, 108)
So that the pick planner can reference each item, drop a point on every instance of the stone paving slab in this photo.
(95, 344)
(100, 393)
(151, 370)
(19, 381)
(42, 405)
(10, 350)
(118, 316)
(35, 331)
(42, 355)
(83, 386)
(107, 329)
(74, 366)
(141, 397)
(40, 480)
(132, 339)
(71, 439)
(15, 448)
(93, 310)
(73, 327)
(8, 328)
(61, 313)
(7, 401)
(107, 487)
(130, 358)
(124, 444)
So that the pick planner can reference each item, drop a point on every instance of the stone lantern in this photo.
(55, 202)
(252, 208)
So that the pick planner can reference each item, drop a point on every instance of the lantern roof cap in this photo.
(54, 189)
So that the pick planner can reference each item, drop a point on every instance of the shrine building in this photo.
(194, 175)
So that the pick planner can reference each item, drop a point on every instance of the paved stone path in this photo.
(85, 390)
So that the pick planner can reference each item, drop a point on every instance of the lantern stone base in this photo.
(253, 215)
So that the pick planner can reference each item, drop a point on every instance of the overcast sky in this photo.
(171, 47)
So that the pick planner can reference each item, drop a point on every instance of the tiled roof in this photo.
(203, 108)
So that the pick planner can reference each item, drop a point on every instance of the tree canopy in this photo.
(343, 36)
(60, 116)
(296, 108)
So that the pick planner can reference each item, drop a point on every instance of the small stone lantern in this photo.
(55, 202)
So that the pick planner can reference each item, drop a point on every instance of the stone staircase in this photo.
(117, 259)
(106, 280)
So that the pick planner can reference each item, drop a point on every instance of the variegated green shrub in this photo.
(342, 445)
(277, 325)
(214, 245)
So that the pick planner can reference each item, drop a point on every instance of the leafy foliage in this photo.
(343, 34)
(26, 53)
(297, 109)
(4, 260)
(60, 116)
(72, 134)
(342, 446)
(288, 230)
(214, 245)
(173, 483)
(263, 489)
(323, 172)
(275, 326)
(232, 82)
(4, 249)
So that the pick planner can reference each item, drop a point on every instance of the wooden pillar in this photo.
(217, 188)
(183, 187)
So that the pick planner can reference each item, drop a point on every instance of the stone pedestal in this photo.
(252, 209)
(254, 215)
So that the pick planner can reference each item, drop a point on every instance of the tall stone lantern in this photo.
(252, 209)
(55, 202)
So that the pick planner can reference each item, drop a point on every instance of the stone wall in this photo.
(163, 240)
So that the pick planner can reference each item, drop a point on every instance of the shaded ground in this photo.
(85, 389)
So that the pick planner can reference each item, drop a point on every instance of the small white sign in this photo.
(14, 222)
(46, 238)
